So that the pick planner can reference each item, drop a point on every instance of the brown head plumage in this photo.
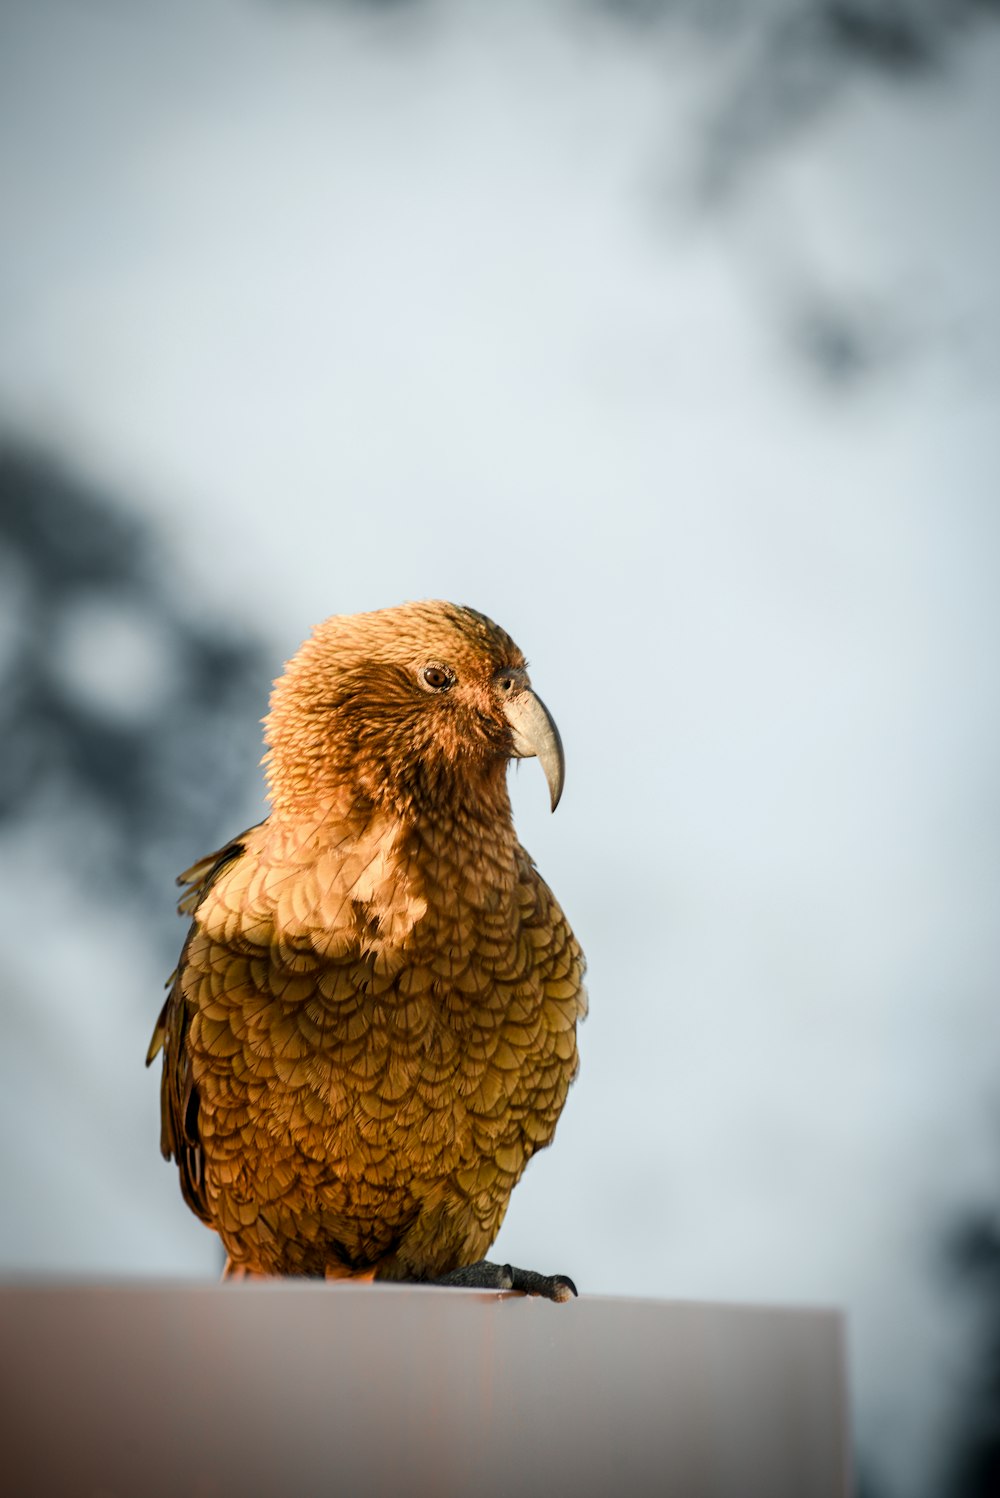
(411, 708)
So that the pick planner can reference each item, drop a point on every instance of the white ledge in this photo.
(301, 1389)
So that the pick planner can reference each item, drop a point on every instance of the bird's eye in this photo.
(437, 678)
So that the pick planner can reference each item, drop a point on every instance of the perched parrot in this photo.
(372, 1026)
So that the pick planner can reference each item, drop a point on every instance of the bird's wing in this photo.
(199, 878)
(179, 1137)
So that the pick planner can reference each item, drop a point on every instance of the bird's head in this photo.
(406, 708)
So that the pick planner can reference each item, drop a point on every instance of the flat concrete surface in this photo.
(289, 1390)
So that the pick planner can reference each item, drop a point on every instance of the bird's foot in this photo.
(487, 1276)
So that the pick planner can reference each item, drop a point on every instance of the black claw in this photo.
(487, 1276)
(558, 1287)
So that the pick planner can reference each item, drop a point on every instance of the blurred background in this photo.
(668, 334)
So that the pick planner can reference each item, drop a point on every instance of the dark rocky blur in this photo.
(130, 725)
(973, 1264)
(798, 55)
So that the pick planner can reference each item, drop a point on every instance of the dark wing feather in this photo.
(179, 1137)
(199, 878)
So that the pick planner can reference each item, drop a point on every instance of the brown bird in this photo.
(372, 1027)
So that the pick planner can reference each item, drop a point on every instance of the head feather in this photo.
(351, 722)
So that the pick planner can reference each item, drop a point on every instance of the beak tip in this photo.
(536, 735)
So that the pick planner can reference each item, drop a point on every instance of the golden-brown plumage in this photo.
(372, 1027)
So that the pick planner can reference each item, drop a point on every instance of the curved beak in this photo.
(535, 733)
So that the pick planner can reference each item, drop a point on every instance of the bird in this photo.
(372, 1025)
